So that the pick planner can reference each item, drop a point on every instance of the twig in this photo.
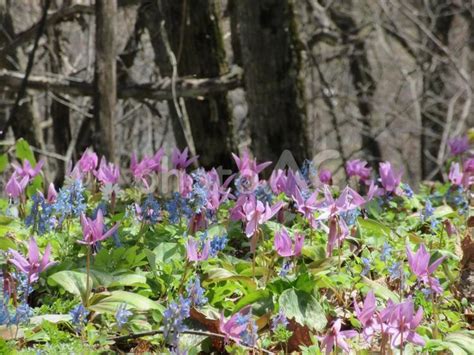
(29, 67)
(179, 106)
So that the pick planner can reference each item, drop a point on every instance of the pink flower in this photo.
(284, 246)
(235, 325)
(358, 168)
(27, 169)
(180, 159)
(330, 210)
(419, 265)
(469, 166)
(367, 316)
(88, 161)
(34, 265)
(389, 178)
(287, 183)
(245, 162)
(336, 337)
(459, 178)
(306, 206)
(459, 145)
(255, 214)
(52, 193)
(325, 176)
(93, 230)
(401, 323)
(192, 250)
(16, 185)
(108, 173)
(142, 170)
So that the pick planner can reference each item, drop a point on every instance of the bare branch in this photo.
(161, 90)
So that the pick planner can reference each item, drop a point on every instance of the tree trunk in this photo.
(196, 39)
(362, 80)
(105, 76)
(275, 95)
(25, 125)
(434, 103)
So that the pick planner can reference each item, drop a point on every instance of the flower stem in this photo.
(183, 279)
(88, 271)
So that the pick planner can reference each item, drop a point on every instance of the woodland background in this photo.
(378, 79)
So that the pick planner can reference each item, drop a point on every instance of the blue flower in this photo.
(121, 315)
(395, 271)
(41, 215)
(196, 292)
(151, 210)
(308, 171)
(177, 208)
(350, 217)
(23, 314)
(249, 335)
(407, 190)
(366, 269)
(386, 251)
(286, 268)
(173, 320)
(70, 201)
(218, 243)
(264, 193)
(79, 316)
(279, 320)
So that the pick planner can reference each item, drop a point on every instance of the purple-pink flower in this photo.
(306, 206)
(180, 160)
(325, 176)
(284, 245)
(337, 337)
(401, 323)
(34, 264)
(359, 169)
(460, 178)
(367, 316)
(52, 193)
(245, 162)
(458, 145)
(93, 229)
(88, 161)
(197, 252)
(235, 325)
(389, 178)
(255, 213)
(27, 169)
(16, 185)
(420, 265)
(142, 170)
(107, 173)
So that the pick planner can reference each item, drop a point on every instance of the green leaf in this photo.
(3, 162)
(23, 151)
(110, 303)
(219, 274)
(116, 280)
(371, 227)
(303, 308)
(166, 252)
(381, 290)
(463, 339)
(73, 282)
(252, 298)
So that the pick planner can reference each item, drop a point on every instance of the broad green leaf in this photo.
(52, 318)
(303, 308)
(3, 162)
(380, 290)
(23, 151)
(110, 303)
(252, 298)
(165, 252)
(463, 339)
(113, 280)
(374, 228)
(73, 282)
(220, 274)
(442, 211)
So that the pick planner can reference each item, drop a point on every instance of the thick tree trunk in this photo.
(25, 124)
(105, 76)
(275, 95)
(196, 39)
(434, 103)
(362, 80)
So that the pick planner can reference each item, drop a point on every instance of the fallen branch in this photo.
(161, 90)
